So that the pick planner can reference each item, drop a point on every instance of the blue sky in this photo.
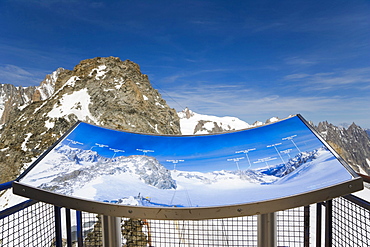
(206, 152)
(248, 59)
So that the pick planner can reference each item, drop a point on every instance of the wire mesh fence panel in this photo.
(32, 226)
(92, 230)
(348, 218)
(351, 224)
(241, 231)
(290, 227)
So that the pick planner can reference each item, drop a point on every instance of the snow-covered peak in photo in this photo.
(68, 169)
(292, 164)
(249, 176)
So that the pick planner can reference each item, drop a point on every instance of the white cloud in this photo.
(253, 105)
(295, 76)
(354, 78)
(299, 61)
(11, 74)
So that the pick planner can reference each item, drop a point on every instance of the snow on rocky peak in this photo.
(46, 88)
(76, 103)
(192, 123)
(273, 119)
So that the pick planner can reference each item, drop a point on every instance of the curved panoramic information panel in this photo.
(281, 165)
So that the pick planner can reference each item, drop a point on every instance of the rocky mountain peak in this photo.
(186, 113)
(14, 99)
(103, 91)
(352, 144)
(47, 86)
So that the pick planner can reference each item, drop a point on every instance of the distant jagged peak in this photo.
(47, 86)
(257, 123)
(186, 113)
(272, 120)
(351, 142)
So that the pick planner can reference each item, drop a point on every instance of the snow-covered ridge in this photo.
(192, 123)
(47, 87)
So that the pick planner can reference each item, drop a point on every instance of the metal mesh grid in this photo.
(32, 226)
(351, 224)
(290, 227)
(239, 231)
(92, 230)
(35, 226)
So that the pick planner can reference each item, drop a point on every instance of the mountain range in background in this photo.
(115, 94)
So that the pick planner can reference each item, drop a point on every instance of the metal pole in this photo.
(68, 227)
(79, 228)
(58, 226)
(266, 224)
(306, 226)
(328, 223)
(111, 228)
(318, 223)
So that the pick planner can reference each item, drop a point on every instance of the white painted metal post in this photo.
(266, 224)
(111, 228)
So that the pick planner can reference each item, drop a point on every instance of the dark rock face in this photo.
(103, 91)
(352, 144)
(13, 97)
(215, 129)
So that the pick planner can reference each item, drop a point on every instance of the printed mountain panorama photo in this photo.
(276, 160)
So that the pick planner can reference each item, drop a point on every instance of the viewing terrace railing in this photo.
(343, 221)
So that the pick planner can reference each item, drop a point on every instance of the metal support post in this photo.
(68, 227)
(79, 228)
(267, 230)
(328, 223)
(307, 226)
(318, 223)
(111, 228)
(58, 226)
